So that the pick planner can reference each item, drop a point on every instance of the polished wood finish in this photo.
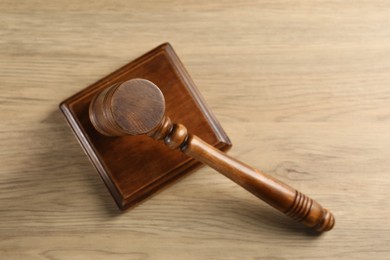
(301, 87)
(126, 108)
(134, 168)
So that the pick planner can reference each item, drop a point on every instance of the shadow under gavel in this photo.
(137, 107)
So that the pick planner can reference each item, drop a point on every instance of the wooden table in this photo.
(301, 87)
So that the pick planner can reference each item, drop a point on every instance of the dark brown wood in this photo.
(135, 167)
(137, 99)
(134, 107)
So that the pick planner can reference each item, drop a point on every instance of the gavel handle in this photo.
(277, 194)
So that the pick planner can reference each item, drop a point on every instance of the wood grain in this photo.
(302, 89)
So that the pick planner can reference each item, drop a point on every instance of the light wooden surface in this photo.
(301, 87)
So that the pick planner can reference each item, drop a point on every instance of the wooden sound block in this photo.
(135, 167)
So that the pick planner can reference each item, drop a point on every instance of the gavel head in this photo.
(133, 107)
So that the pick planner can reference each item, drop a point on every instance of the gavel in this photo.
(137, 107)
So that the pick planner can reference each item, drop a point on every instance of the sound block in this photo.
(135, 167)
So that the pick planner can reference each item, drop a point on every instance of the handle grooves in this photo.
(300, 208)
(308, 211)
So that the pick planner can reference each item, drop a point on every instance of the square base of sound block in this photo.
(135, 167)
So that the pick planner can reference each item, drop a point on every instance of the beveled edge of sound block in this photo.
(75, 113)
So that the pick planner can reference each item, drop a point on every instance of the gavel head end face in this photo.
(133, 107)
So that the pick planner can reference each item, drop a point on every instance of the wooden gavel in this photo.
(137, 107)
